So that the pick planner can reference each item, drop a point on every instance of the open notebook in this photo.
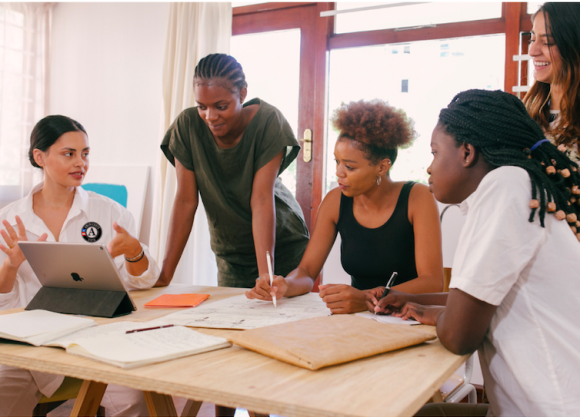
(115, 347)
(39, 327)
(108, 343)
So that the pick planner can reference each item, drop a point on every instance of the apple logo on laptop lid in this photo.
(76, 277)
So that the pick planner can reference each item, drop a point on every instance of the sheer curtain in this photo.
(194, 31)
(24, 47)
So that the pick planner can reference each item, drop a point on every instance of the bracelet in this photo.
(136, 258)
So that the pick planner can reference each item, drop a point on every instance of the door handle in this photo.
(307, 149)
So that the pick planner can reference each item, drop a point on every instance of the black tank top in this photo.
(370, 256)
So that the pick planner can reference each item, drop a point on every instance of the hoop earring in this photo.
(379, 179)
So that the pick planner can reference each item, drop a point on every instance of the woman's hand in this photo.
(342, 299)
(123, 244)
(423, 314)
(263, 290)
(372, 298)
(11, 238)
(392, 303)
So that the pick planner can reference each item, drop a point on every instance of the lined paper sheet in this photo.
(381, 318)
(241, 313)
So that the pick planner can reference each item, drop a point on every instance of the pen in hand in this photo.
(388, 286)
(273, 294)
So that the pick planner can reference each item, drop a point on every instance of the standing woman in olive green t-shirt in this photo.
(230, 153)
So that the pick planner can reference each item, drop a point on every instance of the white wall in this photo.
(106, 72)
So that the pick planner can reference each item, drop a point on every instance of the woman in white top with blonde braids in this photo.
(58, 210)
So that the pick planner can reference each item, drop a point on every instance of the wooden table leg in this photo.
(159, 404)
(89, 399)
(437, 397)
(191, 408)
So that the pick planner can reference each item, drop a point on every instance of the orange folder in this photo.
(177, 300)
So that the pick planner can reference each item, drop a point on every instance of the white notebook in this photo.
(144, 347)
(39, 327)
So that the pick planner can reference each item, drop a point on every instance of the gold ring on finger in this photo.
(11, 246)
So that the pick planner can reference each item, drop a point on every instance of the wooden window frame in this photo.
(514, 20)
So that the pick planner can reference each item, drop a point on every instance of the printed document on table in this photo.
(241, 313)
(381, 318)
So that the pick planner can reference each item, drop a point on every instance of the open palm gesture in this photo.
(11, 238)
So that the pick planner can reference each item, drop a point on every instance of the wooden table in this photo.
(391, 384)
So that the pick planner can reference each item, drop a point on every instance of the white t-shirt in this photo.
(530, 357)
(87, 207)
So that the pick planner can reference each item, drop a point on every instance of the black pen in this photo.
(388, 287)
(148, 328)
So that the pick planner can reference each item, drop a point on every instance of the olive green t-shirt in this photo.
(224, 179)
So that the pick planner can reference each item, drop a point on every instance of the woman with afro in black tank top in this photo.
(385, 226)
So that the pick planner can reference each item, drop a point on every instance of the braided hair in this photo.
(220, 68)
(498, 125)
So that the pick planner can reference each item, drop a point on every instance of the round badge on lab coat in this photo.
(91, 232)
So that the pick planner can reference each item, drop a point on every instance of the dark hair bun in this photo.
(47, 131)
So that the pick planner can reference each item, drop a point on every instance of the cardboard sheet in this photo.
(324, 341)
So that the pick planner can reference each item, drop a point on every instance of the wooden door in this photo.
(314, 33)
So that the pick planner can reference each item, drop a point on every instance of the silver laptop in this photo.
(81, 266)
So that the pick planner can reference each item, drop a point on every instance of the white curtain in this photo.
(194, 31)
(24, 47)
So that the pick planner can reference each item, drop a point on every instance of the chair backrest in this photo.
(450, 231)
(115, 192)
(127, 185)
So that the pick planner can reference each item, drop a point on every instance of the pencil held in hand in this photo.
(273, 293)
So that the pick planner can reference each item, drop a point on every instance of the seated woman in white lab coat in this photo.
(57, 210)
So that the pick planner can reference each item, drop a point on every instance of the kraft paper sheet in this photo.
(324, 341)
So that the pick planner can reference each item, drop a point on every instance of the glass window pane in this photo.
(14, 37)
(13, 62)
(533, 7)
(411, 15)
(271, 62)
(14, 17)
(421, 78)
